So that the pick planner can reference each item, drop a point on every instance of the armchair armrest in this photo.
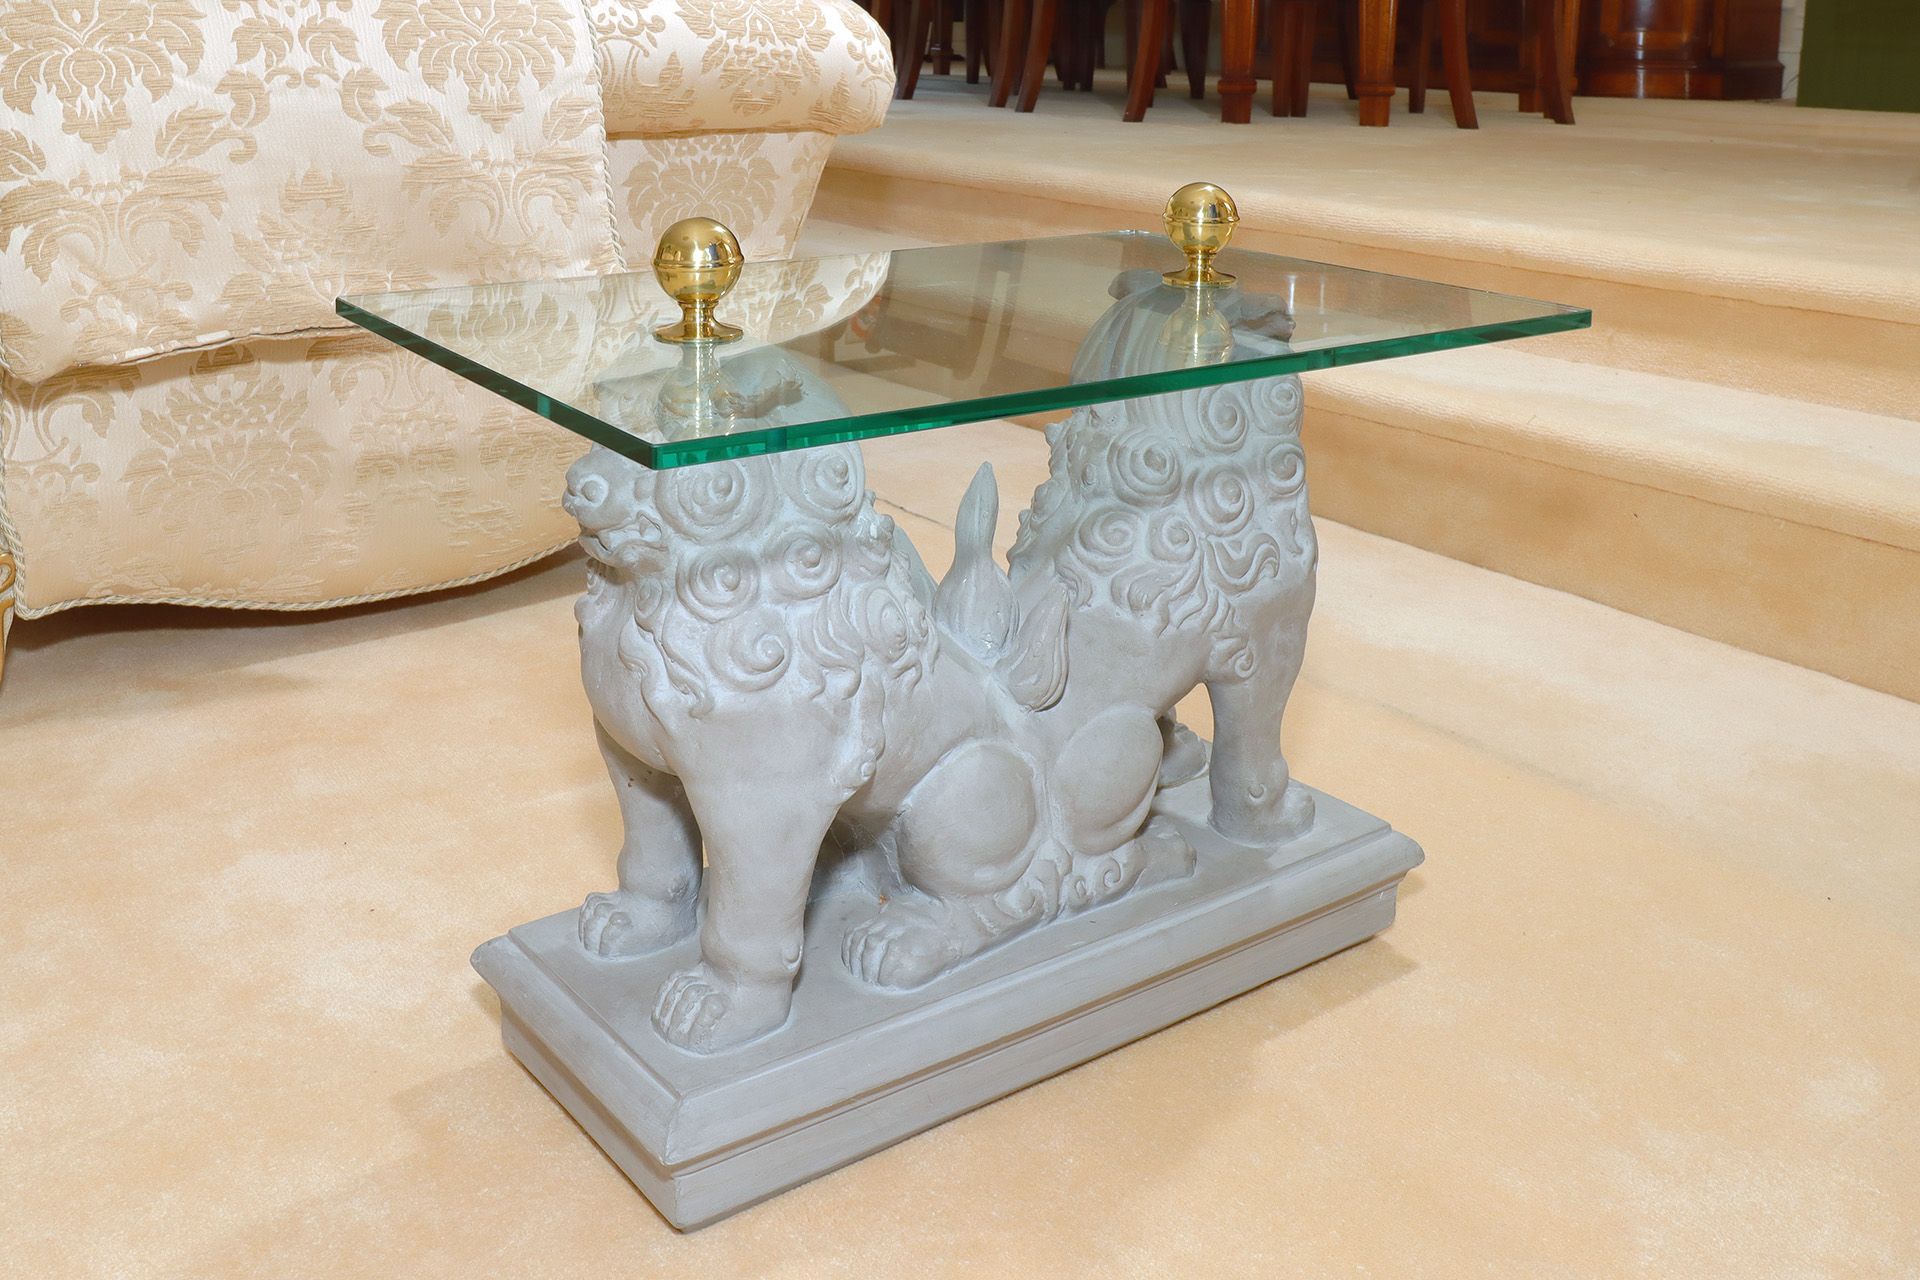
(672, 68)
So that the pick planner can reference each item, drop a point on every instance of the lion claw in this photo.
(624, 923)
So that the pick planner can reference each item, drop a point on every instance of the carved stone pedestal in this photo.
(856, 1069)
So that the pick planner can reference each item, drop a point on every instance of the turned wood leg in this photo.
(1086, 34)
(1237, 84)
(1033, 73)
(1349, 59)
(1376, 61)
(1280, 55)
(975, 27)
(1007, 54)
(1422, 59)
(1305, 19)
(942, 49)
(919, 27)
(1529, 56)
(1561, 27)
(1146, 57)
(1132, 30)
(1453, 48)
(1196, 37)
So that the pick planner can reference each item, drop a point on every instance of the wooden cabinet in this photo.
(1628, 48)
(1680, 48)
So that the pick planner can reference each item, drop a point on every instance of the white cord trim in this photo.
(293, 606)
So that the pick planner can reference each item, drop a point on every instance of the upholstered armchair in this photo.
(186, 185)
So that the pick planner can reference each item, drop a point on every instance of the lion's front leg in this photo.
(659, 862)
(763, 834)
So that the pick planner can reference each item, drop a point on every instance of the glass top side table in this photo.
(896, 845)
(958, 334)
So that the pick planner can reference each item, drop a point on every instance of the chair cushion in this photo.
(671, 67)
(183, 173)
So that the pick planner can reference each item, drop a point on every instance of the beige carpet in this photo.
(1649, 1008)
(1733, 448)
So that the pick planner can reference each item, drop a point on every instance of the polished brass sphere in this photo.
(1200, 220)
(696, 262)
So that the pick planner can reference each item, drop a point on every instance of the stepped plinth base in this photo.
(856, 1069)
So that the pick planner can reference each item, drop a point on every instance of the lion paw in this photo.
(700, 1010)
(902, 946)
(624, 923)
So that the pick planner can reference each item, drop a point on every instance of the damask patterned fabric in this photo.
(674, 67)
(172, 171)
(759, 184)
(186, 172)
(293, 473)
(287, 472)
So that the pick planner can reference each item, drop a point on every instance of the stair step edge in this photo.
(1845, 470)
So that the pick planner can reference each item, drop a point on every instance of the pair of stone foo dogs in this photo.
(772, 670)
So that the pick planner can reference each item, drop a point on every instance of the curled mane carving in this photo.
(765, 570)
(1176, 508)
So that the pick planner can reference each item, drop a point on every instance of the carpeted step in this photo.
(1784, 527)
(1734, 243)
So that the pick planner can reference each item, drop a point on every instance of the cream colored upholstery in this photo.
(189, 183)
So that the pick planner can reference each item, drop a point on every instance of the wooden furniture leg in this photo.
(1349, 59)
(1092, 37)
(1376, 61)
(1196, 32)
(1560, 30)
(1529, 55)
(1006, 59)
(1147, 45)
(1033, 73)
(1422, 60)
(1237, 84)
(919, 29)
(1281, 29)
(1307, 19)
(1453, 48)
(975, 25)
(942, 49)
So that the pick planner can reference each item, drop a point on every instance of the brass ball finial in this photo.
(1200, 220)
(697, 261)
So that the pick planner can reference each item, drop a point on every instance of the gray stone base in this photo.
(856, 1069)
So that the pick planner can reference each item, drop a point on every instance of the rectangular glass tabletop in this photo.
(860, 345)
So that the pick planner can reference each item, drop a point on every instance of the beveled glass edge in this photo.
(668, 455)
(621, 442)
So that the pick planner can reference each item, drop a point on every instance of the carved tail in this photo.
(975, 605)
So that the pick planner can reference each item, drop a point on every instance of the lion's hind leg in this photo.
(965, 832)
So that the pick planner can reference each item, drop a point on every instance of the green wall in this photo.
(1861, 53)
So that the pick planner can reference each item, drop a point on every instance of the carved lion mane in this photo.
(763, 570)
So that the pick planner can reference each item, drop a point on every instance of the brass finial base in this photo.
(697, 261)
(1200, 220)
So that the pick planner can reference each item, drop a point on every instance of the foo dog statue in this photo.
(773, 671)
